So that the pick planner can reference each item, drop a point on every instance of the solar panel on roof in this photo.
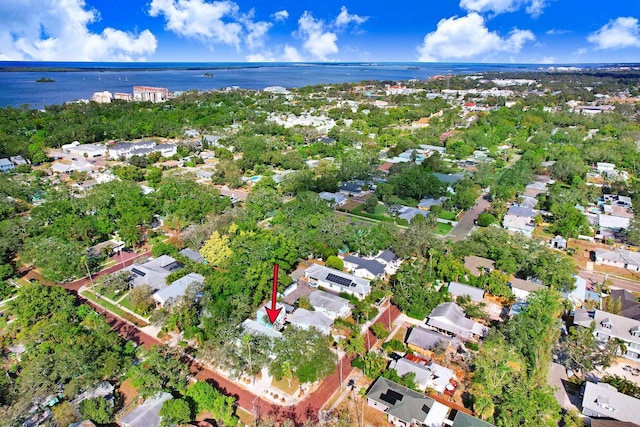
(342, 281)
(138, 272)
(391, 397)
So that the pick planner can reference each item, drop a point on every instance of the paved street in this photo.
(467, 222)
(593, 278)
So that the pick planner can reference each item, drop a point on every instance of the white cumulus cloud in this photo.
(467, 38)
(318, 40)
(532, 7)
(345, 18)
(622, 32)
(209, 22)
(58, 31)
(319, 37)
(291, 54)
(281, 15)
(288, 54)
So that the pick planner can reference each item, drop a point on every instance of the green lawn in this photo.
(125, 302)
(380, 210)
(443, 229)
(449, 216)
(102, 302)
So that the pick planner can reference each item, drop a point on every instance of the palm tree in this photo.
(484, 407)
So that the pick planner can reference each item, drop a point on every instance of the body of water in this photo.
(75, 81)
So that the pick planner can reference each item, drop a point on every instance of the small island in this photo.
(45, 80)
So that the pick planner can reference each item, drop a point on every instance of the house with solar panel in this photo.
(337, 281)
(153, 273)
(405, 407)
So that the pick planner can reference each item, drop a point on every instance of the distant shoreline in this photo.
(103, 69)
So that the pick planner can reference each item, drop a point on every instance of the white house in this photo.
(306, 319)
(520, 219)
(335, 198)
(390, 261)
(602, 400)
(126, 148)
(428, 374)
(177, 289)
(522, 288)
(365, 268)
(620, 258)
(329, 304)
(85, 150)
(6, 165)
(450, 318)
(458, 289)
(405, 407)
(609, 326)
(319, 275)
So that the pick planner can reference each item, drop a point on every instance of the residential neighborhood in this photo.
(454, 251)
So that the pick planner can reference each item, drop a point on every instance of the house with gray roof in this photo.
(405, 407)
(425, 340)
(331, 305)
(458, 289)
(365, 268)
(177, 289)
(629, 304)
(465, 420)
(609, 326)
(153, 272)
(6, 165)
(306, 319)
(147, 414)
(193, 255)
(520, 219)
(338, 281)
(448, 317)
(620, 258)
(390, 260)
(602, 400)
(335, 198)
(427, 373)
(408, 213)
(613, 222)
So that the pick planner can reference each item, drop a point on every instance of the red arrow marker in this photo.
(272, 312)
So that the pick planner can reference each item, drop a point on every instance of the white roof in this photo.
(310, 319)
(327, 301)
(177, 288)
(458, 289)
(427, 375)
(613, 222)
(348, 282)
(604, 400)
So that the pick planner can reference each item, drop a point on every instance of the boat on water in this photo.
(45, 80)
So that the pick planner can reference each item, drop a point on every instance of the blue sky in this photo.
(522, 31)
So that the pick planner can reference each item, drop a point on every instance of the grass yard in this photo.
(449, 216)
(443, 229)
(90, 295)
(283, 385)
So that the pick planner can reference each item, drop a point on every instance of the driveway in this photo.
(557, 378)
(467, 222)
